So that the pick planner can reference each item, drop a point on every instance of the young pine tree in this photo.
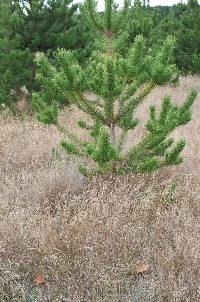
(118, 85)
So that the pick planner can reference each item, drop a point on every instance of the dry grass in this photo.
(87, 239)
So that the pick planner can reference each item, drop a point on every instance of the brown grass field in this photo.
(133, 238)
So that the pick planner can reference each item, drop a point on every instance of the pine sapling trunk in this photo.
(109, 36)
(113, 134)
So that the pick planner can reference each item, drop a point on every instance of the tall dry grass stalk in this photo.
(88, 239)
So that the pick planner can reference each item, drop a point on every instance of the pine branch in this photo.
(156, 143)
(134, 101)
(89, 108)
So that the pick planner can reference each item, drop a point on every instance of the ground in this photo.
(116, 239)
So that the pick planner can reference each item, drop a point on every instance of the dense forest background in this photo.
(30, 26)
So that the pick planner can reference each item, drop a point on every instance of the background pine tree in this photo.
(25, 28)
(15, 57)
(183, 22)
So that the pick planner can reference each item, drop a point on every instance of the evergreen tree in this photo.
(189, 39)
(183, 21)
(28, 26)
(141, 21)
(193, 4)
(83, 37)
(118, 85)
(14, 58)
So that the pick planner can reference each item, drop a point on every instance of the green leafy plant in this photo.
(117, 85)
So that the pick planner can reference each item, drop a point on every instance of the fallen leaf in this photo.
(39, 280)
(141, 268)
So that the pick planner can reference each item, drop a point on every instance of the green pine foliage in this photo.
(28, 26)
(193, 4)
(119, 83)
(14, 56)
(140, 21)
(156, 149)
(183, 21)
(82, 37)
